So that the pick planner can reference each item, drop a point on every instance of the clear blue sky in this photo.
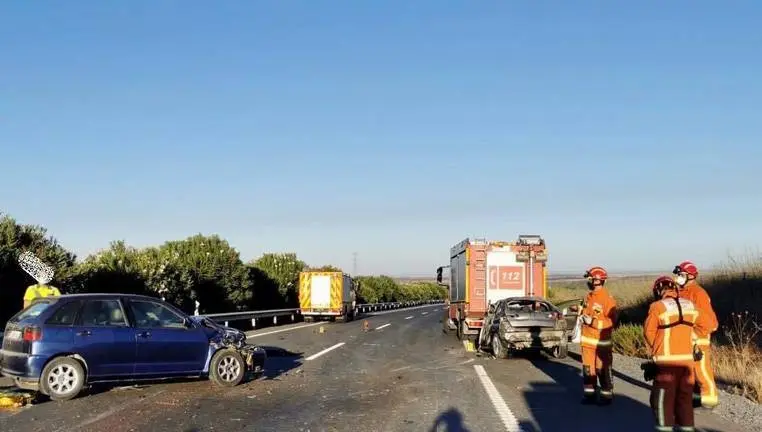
(627, 133)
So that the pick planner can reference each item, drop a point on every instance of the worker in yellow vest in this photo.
(39, 291)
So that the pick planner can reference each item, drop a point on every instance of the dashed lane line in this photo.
(410, 317)
(383, 326)
(330, 348)
(281, 330)
(501, 408)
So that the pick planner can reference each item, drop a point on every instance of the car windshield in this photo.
(33, 311)
(528, 306)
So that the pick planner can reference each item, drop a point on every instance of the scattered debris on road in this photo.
(13, 398)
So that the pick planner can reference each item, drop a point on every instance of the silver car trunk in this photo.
(521, 317)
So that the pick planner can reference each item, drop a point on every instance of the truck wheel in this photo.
(561, 351)
(309, 319)
(62, 379)
(227, 368)
(498, 349)
(445, 323)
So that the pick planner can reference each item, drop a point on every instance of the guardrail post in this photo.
(275, 320)
(253, 322)
(226, 323)
(292, 317)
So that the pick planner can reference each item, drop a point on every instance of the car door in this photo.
(167, 343)
(103, 337)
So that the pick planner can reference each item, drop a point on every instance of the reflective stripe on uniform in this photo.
(686, 428)
(593, 342)
(703, 341)
(672, 358)
(660, 411)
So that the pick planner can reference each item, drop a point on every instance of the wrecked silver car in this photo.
(524, 323)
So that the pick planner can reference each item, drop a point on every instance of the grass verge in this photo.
(736, 292)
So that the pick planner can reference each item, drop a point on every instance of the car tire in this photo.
(561, 351)
(498, 349)
(62, 379)
(227, 368)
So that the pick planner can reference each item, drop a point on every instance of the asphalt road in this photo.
(402, 375)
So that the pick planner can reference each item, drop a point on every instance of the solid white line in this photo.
(281, 330)
(385, 325)
(410, 317)
(501, 408)
(314, 356)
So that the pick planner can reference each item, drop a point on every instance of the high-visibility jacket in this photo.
(601, 306)
(700, 298)
(39, 291)
(671, 340)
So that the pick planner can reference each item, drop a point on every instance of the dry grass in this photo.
(736, 292)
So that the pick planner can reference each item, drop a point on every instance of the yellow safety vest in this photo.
(39, 291)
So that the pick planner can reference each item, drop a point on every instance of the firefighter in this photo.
(685, 275)
(668, 332)
(39, 291)
(598, 317)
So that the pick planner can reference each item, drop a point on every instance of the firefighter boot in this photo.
(588, 386)
(607, 386)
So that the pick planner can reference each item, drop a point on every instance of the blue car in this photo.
(59, 345)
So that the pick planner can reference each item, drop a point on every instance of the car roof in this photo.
(108, 295)
(533, 298)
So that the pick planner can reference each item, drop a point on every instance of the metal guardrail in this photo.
(275, 313)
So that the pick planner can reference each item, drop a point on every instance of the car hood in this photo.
(219, 333)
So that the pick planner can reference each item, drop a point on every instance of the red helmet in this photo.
(664, 283)
(597, 273)
(686, 267)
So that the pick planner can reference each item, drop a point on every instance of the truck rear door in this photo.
(505, 276)
(320, 294)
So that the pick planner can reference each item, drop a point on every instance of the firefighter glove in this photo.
(587, 319)
(697, 354)
(649, 370)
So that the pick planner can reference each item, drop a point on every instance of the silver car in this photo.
(524, 323)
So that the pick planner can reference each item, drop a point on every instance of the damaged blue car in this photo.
(60, 345)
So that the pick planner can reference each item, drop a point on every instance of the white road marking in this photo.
(281, 330)
(424, 313)
(410, 317)
(316, 355)
(501, 408)
(383, 326)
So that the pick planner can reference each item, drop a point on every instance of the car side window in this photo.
(65, 315)
(102, 313)
(152, 314)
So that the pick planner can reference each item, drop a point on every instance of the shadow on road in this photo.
(280, 361)
(449, 421)
(557, 406)
(616, 374)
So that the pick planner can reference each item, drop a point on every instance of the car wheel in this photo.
(227, 368)
(561, 351)
(62, 379)
(497, 348)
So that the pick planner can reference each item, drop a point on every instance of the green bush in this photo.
(628, 339)
(199, 268)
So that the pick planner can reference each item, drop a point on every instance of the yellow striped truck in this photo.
(326, 295)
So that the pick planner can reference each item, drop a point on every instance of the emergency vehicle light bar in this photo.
(531, 239)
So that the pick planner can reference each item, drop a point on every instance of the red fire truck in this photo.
(483, 272)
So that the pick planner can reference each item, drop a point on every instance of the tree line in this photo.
(203, 268)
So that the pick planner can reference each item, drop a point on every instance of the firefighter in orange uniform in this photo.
(686, 273)
(668, 331)
(598, 317)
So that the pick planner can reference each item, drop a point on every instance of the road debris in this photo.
(14, 398)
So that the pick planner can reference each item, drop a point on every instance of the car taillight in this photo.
(32, 334)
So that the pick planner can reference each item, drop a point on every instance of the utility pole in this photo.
(354, 263)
